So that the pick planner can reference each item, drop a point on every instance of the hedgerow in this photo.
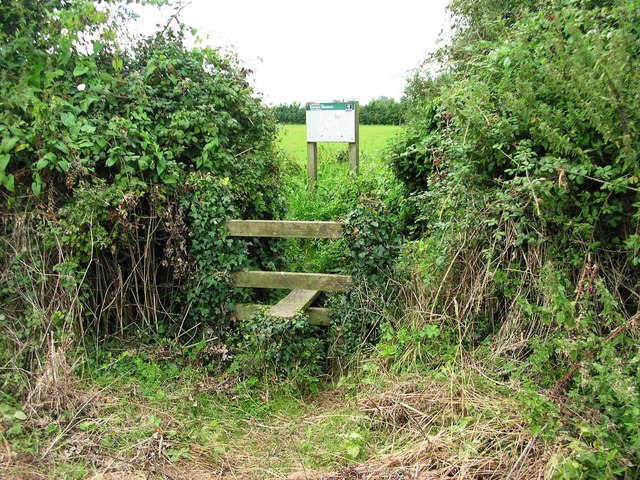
(521, 170)
(119, 162)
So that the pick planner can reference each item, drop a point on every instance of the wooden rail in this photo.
(317, 316)
(293, 303)
(294, 281)
(284, 229)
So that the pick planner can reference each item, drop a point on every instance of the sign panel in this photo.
(331, 122)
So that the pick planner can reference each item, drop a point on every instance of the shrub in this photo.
(118, 167)
(520, 164)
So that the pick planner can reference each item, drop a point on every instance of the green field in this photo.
(373, 140)
(333, 171)
(337, 192)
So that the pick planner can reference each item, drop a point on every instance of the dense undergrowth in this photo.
(521, 169)
(493, 330)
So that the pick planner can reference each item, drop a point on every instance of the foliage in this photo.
(372, 237)
(285, 347)
(210, 292)
(109, 146)
(383, 111)
(289, 113)
(520, 166)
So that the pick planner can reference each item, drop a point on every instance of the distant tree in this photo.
(383, 111)
(289, 113)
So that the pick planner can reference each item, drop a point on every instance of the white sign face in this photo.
(331, 122)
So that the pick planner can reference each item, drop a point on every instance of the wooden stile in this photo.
(305, 286)
(293, 303)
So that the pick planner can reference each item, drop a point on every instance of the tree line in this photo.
(379, 111)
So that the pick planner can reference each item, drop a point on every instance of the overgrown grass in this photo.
(151, 413)
(337, 191)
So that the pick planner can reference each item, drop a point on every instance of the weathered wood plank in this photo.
(290, 305)
(292, 281)
(317, 316)
(354, 148)
(283, 228)
(312, 166)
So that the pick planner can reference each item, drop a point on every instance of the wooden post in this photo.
(312, 165)
(354, 148)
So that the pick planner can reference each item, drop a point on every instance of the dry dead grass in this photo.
(418, 428)
(449, 430)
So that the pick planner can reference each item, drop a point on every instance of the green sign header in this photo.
(345, 106)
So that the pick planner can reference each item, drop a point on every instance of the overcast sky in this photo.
(317, 51)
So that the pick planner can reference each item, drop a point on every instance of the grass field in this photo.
(327, 203)
(337, 192)
(373, 140)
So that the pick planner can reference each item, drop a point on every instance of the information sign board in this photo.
(331, 122)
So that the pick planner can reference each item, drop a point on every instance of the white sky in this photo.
(317, 51)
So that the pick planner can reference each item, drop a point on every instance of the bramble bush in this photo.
(520, 166)
(119, 161)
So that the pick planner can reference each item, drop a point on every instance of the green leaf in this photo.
(111, 161)
(86, 425)
(8, 183)
(67, 118)
(8, 143)
(353, 451)
(62, 166)
(84, 104)
(80, 70)
(42, 163)
(60, 145)
(117, 64)
(4, 161)
(20, 415)
(151, 67)
(97, 47)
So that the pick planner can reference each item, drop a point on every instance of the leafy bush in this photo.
(520, 164)
(292, 113)
(118, 166)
